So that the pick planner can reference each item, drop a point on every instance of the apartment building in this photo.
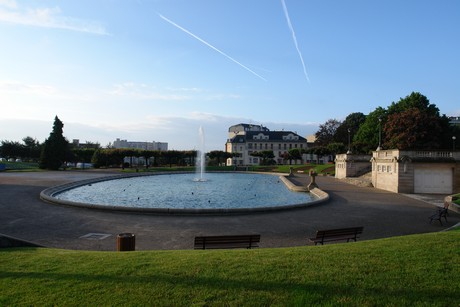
(244, 139)
(161, 146)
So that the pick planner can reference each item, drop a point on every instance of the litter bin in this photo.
(126, 242)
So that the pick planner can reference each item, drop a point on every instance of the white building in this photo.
(244, 139)
(161, 146)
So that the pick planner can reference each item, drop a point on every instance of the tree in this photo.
(326, 132)
(32, 148)
(218, 156)
(414, 100)
(413, 129)
(55, 149)
(336, 148)
(367, 137)
(352, 122)
(294, 154)
(414, 123)
(10, 149)
(266, 157)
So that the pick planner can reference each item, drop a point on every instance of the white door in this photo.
(433, 180)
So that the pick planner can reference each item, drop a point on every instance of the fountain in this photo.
(200, 158)
(178, 193)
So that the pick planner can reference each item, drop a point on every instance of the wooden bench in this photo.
(348, 234)
(441, 213)
(223, 242)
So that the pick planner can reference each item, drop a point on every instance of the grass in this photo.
(322, 169)
(402, 271)
(20, 166)
(328, 169)
(456, 199)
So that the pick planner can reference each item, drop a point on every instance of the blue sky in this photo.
(158, 70)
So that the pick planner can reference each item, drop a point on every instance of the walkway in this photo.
(24, 215)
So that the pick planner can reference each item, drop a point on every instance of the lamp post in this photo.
(380, 134)
(349, 148)
(453, 143)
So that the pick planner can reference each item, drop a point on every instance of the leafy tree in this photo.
(217, 157)
(294, 154)
(55, 149)
(336, 148)
(83, 154)
(318, 151)
(367, 137)
(353, 121)
(414, 100)
(266, 157)
(10, 149)
(326, 132)
(414, 123)
(413, 129)
(32, 148)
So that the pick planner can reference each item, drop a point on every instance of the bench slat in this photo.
(337, 234)
(223, 242)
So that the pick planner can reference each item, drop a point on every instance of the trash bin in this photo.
(126, 242)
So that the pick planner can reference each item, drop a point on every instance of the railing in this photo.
(434, 154)
(417, 154)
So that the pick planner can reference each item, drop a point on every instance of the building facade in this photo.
(245, 139)
(432, 172)
(351, 165)
(161, 146)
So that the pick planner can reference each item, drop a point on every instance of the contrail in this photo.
(210, 46)
(294, 38)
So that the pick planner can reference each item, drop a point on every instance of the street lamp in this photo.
(453, 143)
(380, 134)
(349, 148)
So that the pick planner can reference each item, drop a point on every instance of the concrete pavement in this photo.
(25, 216)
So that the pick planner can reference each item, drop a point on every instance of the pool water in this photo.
(182, 191)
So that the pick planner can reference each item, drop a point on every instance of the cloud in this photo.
(8, 3)
(13, 87)
(10, 12)
(141, 91)
(180, 132)
(144, 92)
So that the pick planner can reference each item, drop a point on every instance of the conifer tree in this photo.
(55, 148)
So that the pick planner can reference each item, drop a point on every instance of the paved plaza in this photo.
(383, 214)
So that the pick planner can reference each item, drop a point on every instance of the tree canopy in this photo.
(326, 132)
(411, 123)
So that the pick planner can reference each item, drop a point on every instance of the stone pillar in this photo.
(312, 184)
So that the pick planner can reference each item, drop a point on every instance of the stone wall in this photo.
(350, 165)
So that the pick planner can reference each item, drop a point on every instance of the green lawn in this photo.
(401, 271)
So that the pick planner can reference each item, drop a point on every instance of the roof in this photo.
(273, 136)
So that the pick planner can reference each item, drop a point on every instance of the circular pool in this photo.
(182, 193)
